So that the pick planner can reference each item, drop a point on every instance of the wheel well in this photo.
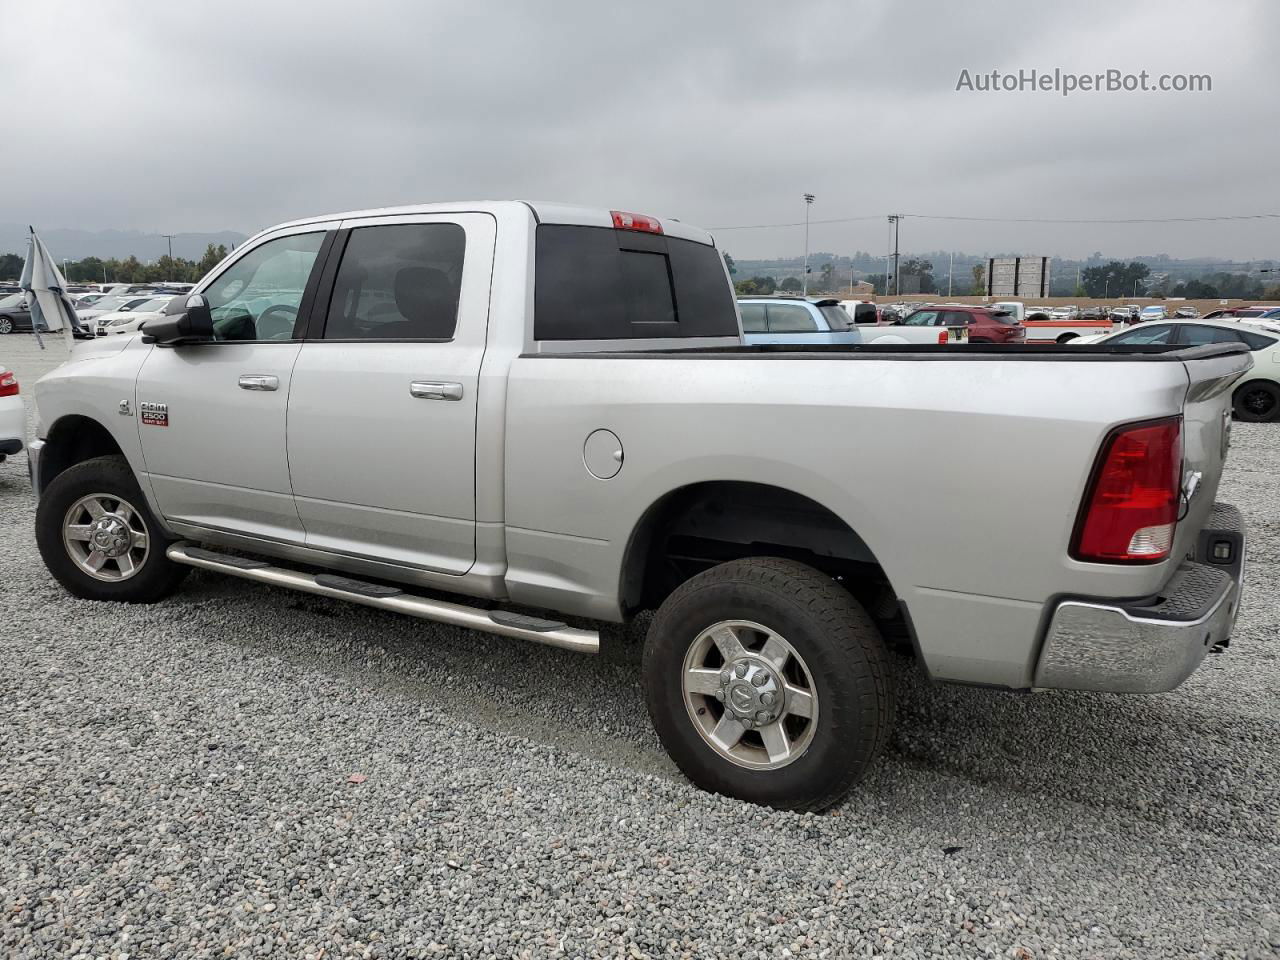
(72, 440)
(1067, 337)
(1253, 382)
(699, 526)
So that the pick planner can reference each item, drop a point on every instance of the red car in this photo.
(985, 325)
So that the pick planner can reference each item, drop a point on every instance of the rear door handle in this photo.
(259, 383)
(435, 390)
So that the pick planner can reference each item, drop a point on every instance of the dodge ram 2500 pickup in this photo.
(530, 418)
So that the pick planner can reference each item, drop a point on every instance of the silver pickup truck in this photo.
(529, 418)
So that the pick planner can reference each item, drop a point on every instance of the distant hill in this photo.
(73, 244)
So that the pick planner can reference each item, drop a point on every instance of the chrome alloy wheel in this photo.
(105, 537)
(750, 695)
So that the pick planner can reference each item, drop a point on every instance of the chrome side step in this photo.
(502, 622)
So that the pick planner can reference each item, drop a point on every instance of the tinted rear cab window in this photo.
(597, 283)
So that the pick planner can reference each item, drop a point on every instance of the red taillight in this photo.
(8, 384)
(635, 221)
(1131, 508)
(943, 335)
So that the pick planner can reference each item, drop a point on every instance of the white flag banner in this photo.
(51, 308)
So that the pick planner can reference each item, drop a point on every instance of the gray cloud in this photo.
(193, 117)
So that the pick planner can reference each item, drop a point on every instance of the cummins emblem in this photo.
(154, 414)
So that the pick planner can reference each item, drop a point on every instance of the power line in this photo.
(938, 216)
(798, 223)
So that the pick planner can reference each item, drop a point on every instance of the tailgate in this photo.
(1212, 372)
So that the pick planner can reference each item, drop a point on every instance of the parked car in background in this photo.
(1153, 312)
(1186, 313)
(13, 415)
(1062, 324)
(115, 303)
(1256, 398)
(926, 325)
(796, 320)
(863, 312)
(15, 315)
(86, 300)
(127, 321)
(980, 324)
(1238, 312)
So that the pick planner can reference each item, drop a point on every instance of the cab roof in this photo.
(543, 212)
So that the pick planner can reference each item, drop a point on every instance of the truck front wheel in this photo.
(766, 681)
(99, 539)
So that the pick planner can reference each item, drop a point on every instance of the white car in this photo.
(129, 320)
(13, 415)
(1257, 398)
(112, 303)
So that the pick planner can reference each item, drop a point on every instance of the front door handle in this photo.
(259, 383)
(435, 390)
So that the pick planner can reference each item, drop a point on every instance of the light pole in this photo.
(169, 237)
(950, 270)
(897, 281)
(808, 202)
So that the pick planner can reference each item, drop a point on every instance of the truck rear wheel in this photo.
(766, 681)
(98, 538)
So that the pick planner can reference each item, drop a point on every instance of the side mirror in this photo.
(195, 325)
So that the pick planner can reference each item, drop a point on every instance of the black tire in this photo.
(1067, 337)
(156, 576)
(838, 642)
(1256, 402)
(6, 325)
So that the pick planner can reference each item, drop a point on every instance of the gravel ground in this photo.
(181, 781)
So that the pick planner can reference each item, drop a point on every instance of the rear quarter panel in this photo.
(964, 476)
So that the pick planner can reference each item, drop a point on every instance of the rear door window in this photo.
(753, 320)
(922, 318)
(398, 282)
(957, 318)
(598, 283)
(790, 318)
(1197, 335)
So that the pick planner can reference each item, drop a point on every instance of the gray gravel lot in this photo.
(175, 781)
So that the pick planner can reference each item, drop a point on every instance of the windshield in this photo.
(836, 316)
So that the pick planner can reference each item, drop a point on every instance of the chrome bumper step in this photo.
(504, 623)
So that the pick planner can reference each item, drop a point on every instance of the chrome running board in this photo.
(504, 623)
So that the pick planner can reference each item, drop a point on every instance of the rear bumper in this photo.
(1151, 646)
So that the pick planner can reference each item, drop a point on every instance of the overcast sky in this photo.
(234, 115)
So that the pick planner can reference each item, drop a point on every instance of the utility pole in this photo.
(808, 202)
(897, 281)
(169, 237)
(950, 270)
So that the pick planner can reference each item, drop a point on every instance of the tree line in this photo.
(128, 270)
